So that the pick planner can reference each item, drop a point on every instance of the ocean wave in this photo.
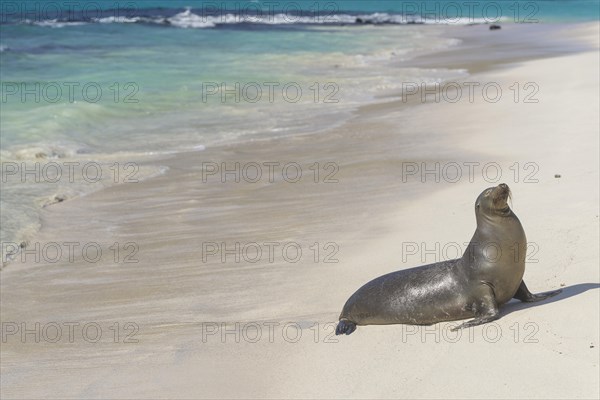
(188, 19)
(120, 20)
(54, 23)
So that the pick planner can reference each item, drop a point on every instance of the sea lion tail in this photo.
(345, 327)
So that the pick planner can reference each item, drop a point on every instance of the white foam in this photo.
(120, 20)
(54, 23)
(187, 19)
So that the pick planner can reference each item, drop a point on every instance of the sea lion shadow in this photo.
(568, 291)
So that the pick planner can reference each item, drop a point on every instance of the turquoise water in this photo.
(122, 80)
(161, 82)
(142, 60)
(542, 10)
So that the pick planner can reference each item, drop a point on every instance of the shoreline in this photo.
(452, 58)
(367, 213)
(59, 153)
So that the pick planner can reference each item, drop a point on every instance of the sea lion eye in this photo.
(487, 192)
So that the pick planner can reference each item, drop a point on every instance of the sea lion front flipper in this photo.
(486, 311)
(526, 296)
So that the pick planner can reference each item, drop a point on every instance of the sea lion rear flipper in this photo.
(345, 327)
(526, 296)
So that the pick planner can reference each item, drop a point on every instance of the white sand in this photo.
(169, 294)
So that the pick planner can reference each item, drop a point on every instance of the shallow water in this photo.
(78, 94)
(106, 86)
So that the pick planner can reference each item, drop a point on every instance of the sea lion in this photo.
(489, 274)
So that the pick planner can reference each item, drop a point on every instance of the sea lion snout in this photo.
(502, 189)
(501, 194)
(494, 200)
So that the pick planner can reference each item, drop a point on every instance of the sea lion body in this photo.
(488, 275)
(421, 296)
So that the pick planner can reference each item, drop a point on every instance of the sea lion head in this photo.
(493, 202)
